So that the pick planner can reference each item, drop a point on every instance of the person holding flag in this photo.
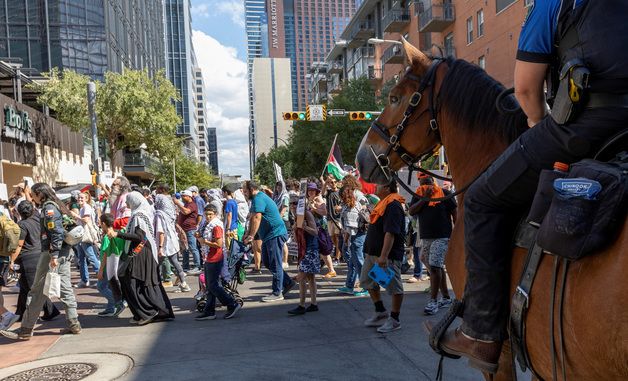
(334, 165)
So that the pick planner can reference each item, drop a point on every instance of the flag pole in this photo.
(331, 149)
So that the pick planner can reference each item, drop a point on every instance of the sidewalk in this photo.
(262, 343)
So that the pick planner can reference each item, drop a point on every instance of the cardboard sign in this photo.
(278, 173)
(28, 181)
(4, 193)
(301, 204)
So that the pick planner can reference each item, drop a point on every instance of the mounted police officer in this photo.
(582, 46)
(55, 257)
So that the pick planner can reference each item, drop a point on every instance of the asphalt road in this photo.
(264, 343)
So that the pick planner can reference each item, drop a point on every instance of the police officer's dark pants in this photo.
(27, 280)
(494, 204)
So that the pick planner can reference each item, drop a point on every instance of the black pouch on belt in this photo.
(572, 91)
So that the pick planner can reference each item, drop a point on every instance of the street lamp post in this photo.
(91, 101)
(278, 138)
(378, 41)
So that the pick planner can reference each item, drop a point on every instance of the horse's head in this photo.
(403, 133)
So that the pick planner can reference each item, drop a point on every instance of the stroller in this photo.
(233, 274)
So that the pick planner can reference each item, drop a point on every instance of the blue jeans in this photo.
(418, 265)
(215, 289)
(86, 253)
(192, 248)
(103, 288)
(272, 258)
(356, 258)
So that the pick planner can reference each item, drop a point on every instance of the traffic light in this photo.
(293, 115)
(360, 115)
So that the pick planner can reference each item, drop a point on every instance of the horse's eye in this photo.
(393, 99)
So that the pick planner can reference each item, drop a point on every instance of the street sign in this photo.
(337, 112)
(316, 113)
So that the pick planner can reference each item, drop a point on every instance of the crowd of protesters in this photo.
(141, 242)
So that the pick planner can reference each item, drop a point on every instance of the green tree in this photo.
(264, 169)
(132, 109)
(383, 97)
(310, 141)
(188, 172)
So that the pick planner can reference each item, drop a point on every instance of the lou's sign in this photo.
(18, 125)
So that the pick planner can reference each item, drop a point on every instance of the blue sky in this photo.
(224, 22)
(220, 44)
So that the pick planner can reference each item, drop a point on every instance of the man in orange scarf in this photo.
(384, 246)
(435, 227)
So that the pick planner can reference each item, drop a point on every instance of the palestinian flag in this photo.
(334, 162)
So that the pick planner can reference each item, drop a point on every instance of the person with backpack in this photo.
(27, 256)
(8, 245)
(55, 257)
(318, 207)
(86, 250)
(354, 230)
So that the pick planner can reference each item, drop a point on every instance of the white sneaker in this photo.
(81, 284)
(390, 325)
(431, 308)
(376, 320)
(183, 287)
(272, 298)
(8, 319)
(444, 302)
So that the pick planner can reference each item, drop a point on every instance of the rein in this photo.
(394, 140)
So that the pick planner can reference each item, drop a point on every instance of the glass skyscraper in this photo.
(291, 49)
(257, 45)
(89, 37)
(180, 64)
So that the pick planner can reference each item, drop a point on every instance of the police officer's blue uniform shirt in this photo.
(536, 42)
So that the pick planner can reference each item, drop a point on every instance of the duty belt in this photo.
(597, 100)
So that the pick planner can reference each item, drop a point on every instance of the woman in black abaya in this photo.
(139, 267)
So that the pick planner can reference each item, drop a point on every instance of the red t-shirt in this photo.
(188, 222)
(215, 253)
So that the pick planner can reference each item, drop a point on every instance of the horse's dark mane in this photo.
(469, 94)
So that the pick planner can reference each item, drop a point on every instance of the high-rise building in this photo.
(272, 94)
(257, 29)
(200, 113)
(212, 149)
(180, 63)
(318, 25)
(301, 30)
(89, 37)
(486, 36)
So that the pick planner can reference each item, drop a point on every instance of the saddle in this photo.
(552, 220)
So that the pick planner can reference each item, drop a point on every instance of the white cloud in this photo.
(201, 10)
(233, 8)
(227, 101)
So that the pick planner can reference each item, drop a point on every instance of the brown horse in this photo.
(595, 316)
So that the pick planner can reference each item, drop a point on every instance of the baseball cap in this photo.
(186, 193)
(193, 189)
(312, 186)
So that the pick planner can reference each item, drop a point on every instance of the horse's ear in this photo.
(414, 56)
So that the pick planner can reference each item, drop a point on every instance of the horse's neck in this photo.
(468, 153)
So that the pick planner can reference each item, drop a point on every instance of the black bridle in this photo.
(394, 140)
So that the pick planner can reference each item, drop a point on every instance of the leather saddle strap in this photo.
(440, 328)
(520, 303)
